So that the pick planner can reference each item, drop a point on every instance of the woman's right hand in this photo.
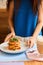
(12, 34)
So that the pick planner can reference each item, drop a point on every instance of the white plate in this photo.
(35, 56)
(5, 44)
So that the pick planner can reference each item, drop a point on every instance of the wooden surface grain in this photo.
(33, 63)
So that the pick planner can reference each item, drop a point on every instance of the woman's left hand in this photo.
(30, 42)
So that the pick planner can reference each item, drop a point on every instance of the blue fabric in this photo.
(25, 20)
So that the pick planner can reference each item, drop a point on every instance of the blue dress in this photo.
(25, 20)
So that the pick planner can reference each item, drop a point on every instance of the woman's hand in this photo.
(12, 34)
(30, 42)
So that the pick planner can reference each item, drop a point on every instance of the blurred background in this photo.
(3, 20)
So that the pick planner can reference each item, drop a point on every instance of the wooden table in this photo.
(33, 63)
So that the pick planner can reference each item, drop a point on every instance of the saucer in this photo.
(34, 56)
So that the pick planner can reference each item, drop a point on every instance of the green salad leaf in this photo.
(13, 39)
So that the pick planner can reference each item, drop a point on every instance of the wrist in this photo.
(34, 37)
(12, 31)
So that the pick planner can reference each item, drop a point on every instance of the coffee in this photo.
(40, 44)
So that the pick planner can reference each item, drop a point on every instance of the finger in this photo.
(31, 45)
(28, 43)
(13, 34)
(8, 37)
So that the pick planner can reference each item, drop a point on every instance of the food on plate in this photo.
(14, 44)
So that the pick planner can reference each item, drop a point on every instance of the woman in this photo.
(27, 19)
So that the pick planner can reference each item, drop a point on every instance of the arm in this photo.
(40, 20)
(39, 26)
(10, 14)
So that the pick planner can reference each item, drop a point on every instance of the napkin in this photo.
(33, 54)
